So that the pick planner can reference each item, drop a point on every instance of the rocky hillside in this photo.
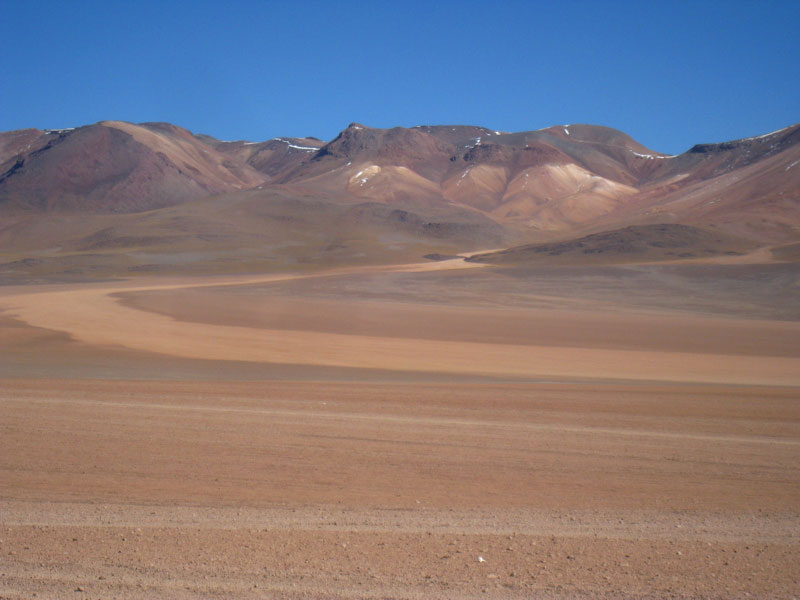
(120, 188)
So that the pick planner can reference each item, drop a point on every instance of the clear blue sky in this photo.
(671, 74)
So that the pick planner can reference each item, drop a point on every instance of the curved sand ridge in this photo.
(94, 316)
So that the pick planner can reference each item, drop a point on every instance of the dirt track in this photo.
(214, 486)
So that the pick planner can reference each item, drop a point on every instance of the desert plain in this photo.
(441, 429)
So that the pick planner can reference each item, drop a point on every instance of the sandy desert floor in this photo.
(404, 432)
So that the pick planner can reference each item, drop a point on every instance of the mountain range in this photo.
(119, 197)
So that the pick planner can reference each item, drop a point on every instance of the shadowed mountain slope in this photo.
(635, 243)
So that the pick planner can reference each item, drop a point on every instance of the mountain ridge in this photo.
(440, 188)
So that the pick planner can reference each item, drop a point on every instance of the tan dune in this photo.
(95, 317)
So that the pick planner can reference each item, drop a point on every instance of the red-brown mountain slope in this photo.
(114, 167)
(556, 183)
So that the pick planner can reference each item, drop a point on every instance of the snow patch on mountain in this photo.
(652, 156)
(364, 174)
(295, 146)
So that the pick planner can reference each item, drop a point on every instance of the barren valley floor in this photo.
(412, 432)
